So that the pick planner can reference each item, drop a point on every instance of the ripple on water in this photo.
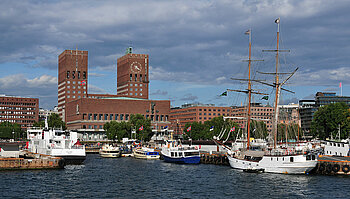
(132, 178)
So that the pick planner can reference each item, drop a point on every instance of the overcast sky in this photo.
(195, 47)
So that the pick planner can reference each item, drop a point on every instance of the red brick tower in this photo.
(132, 75)
(72, 78)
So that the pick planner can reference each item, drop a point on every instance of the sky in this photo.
(195, 47)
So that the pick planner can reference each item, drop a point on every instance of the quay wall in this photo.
(21, 163)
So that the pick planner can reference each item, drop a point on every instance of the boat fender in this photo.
(329, 168)
(345, 168)
(52, 145)
(336, 168)
(322, 167)
(195, 148)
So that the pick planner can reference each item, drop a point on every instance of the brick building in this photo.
(72, 78)
(132, 75)
(21, 110)
(188, 113)
(87, 112)
(92, 113)
(258, 112)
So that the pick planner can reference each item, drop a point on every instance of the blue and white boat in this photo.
(180, 154)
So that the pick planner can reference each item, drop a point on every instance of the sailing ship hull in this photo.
(276, 164)
(183, 160)
(72, 160)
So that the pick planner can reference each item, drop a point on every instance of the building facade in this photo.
(188, 113)
(289, 114)
(72, 78)
(43, 113)
(258, 112)
(93, 113)
(21, 110)
(132, 75)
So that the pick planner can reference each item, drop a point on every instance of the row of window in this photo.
(111, 116)
(134, 94)
(82, 83)
(19, 121)
(79, 92)
(73, 87)
(73, 96)
(223, 110)
(138, 85)
(17, 108)
(140, 77)
(75, 74)
(17, 104)
(17, 112)
(17, 116)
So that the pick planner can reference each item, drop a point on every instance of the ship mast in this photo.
(277, 86)
(249, 88)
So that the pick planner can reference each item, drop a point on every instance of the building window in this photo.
(110, 116)
(136, 94)
(68, 86)
(100, 116)
(130, 89)
(140, 94)
(95, 116)
(73, 87)
(121, 116)
(140, 77)
(106, 116)
(68, 91)
(73, 92)
(135, 89)
(126, 116)
(116, 117)
(130, 84)
(130, 77)
(68, 82)
(68, 96)
(78, 74)
(89, 116)
(95, 126)
(73, 96)
(130, 94)
(73, 75)
(145, 78)
(84, 75)
(90, 126)
(135, 77)
(67, 74)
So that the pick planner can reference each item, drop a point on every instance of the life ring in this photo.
(322, 167)
(346, 168)
(329, 168)
(195, 148)
(52, 145)
(336, 168)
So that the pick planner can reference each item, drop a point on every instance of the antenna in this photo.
(76, 59)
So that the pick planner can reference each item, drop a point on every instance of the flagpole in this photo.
(341, 89)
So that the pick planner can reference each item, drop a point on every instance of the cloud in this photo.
(289, 101)
(159, 92)
(96, 74)
(92, 89)
(43, 87)
(189, 97)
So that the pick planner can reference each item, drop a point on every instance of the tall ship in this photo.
(277, 158)
(57, 143)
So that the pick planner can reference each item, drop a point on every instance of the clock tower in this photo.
(132, 75)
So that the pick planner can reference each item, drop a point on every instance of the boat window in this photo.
(313, 157)
(191, 154)
(277, 159)
(291, 159)
(175, 154)
(172, 154)
(180, 154)
(283, 158)
(271, 159)
(308, 157)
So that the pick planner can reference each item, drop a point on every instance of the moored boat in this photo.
(180, 154)
(145, 153)
(109, 151)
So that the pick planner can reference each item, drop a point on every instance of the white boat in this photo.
(145, 153)
(56, 143)
(274, 160)
(110, 151)
(174, 153)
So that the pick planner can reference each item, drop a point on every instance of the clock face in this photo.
(136, 67)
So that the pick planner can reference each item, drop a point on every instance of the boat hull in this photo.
(183, 160)
(110, 154)
(146, 157)
(73, 160)
(270, 165)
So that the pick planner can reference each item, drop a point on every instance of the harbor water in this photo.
(133, 178)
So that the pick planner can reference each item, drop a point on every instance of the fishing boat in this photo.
(174, 153)
(57, 143)
(281, 159)
(145, 153)
(110, 151)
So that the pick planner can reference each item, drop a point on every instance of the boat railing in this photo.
(78, 147)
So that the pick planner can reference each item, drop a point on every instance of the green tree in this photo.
(39, 124)
(117, 130)
(55, 121)
(10, 130)
(329, 119)
(258, 129)
(137, 121)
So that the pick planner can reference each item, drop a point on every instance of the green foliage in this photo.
(258, 129)
(9, 130)
(201, 131)
(119, 130)
(292, 132)
(39, 124)
(55, 121)
(328, 119)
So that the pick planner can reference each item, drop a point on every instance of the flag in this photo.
(83, 83)
(265, 97)
(141, 128)
(165, 127)
(340, 85)
(211, 128)
(188, 129)
(277, 20)
(247, 32)
(224, 93)
(232, 129)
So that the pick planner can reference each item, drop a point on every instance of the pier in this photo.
(214, 158)
(333, 165)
